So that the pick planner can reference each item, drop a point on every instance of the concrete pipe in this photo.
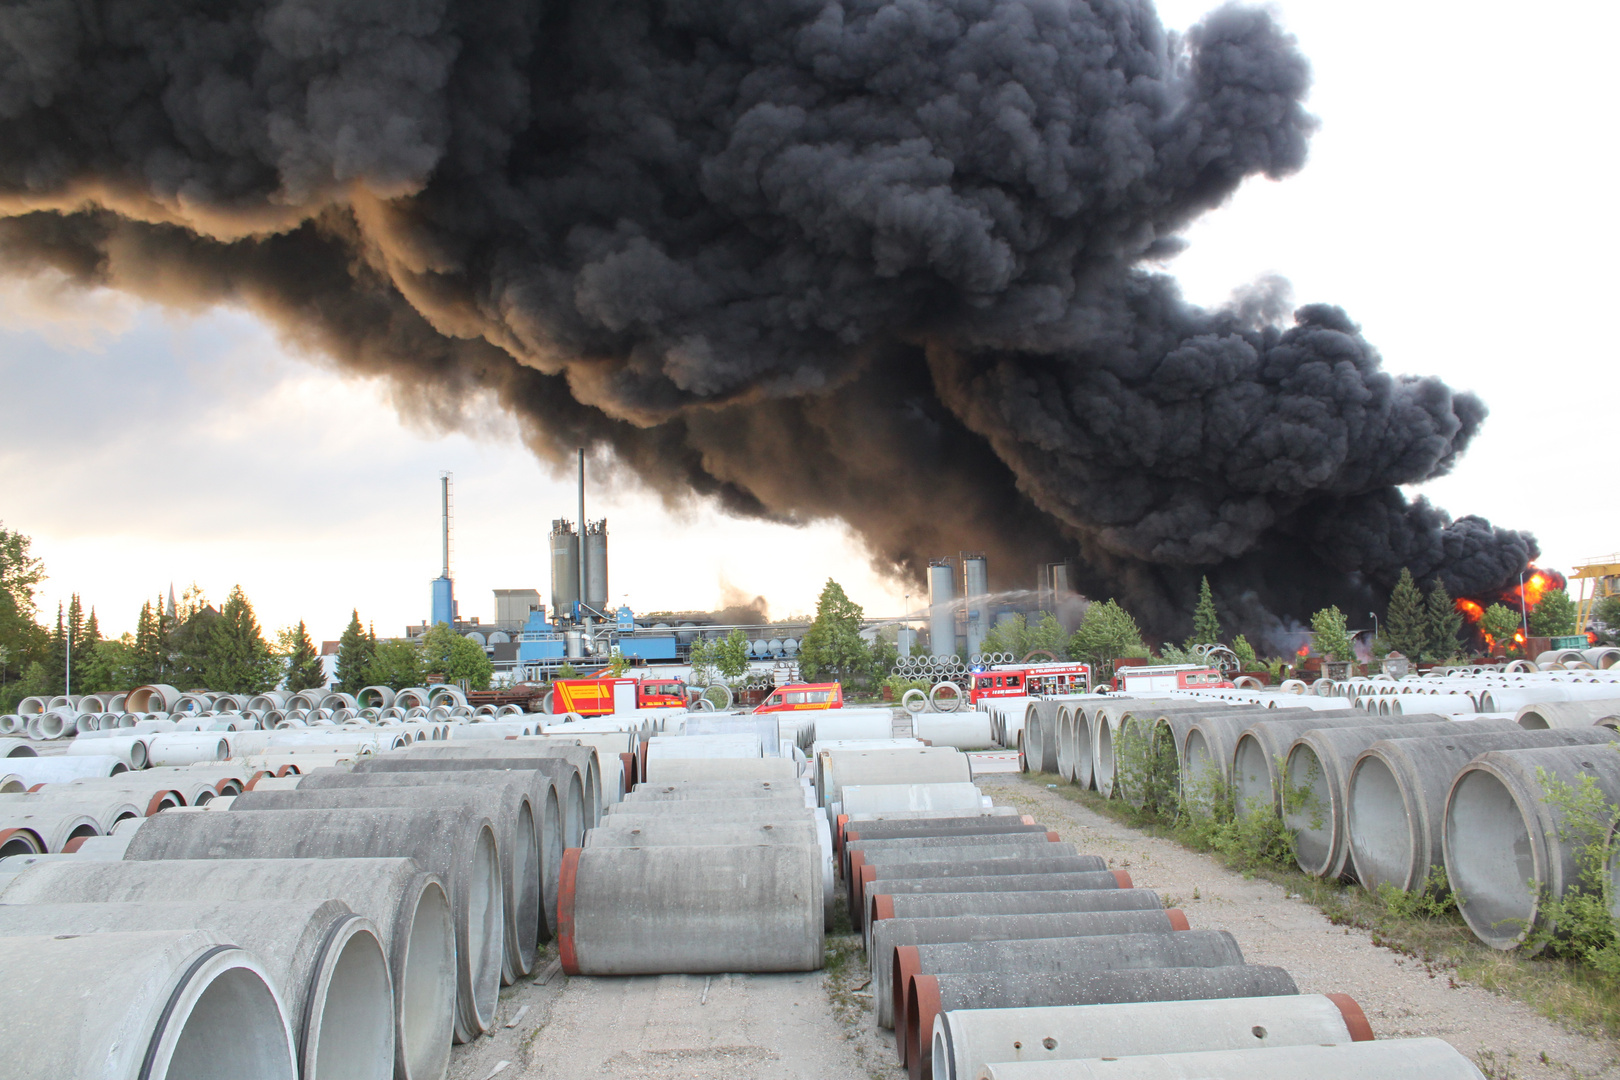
(534, 755)
(707, 809)
(269, 701)
(929, 996)
(933, 826)
(1603, 657)
(1317, 765)
(63, 769)
(326, 961)
(412, 697)
(1069, 722)
(928, 765)
(875, 879)
(31, 706)
(653, 911)
(1010, 831)
(306, 700)
(543, 801)
(457, 845)
(966, 1040)
(1258, 753)
(1566, 714)
(1396, 798)
(504, 802)
(185, 749)
(148, 796)
(47, 827)
(53, 724)
(406, 904)
(967, 731)
(11, 723)
(1154, 773)
(914, 701)
(192, 705)
(862, 724)
(663, 769)
(945, 697)
(10, 748)
(572, 809)
(1052, 956)
(186, 1005)
(1460, 705)
(1015, 848)
(377, 697)
(447, 697)
(1040, 736)
(1512, 698)
(883, 799)
(1046, 902)
(891, 934)
(69, 702)
(338, 700)
(1506, 846)
(130, 749)
(1388, 1059)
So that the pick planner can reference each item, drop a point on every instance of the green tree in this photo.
(1554, 615)
(22, 639)
(238, 658)
(1605, 620)
(731, 654)
(1406, 621)
(1107, 633)
(303, 670)
(149, 656)
(108, 665)
(355, 650)
(832, 648)
(1206, 623)
(1244, 653)
(1501, 623)
(1444, 623)
(567, 671)
(55, 659)
(191, 639)
(395, 664)
(1016, 636)
(1331, 637)
(447, 653)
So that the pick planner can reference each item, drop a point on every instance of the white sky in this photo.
(1458, 203)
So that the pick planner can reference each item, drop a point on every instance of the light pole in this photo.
(1374, 615)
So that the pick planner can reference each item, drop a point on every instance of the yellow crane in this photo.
(1604, 575)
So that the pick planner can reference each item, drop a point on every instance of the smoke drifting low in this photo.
(886, 262)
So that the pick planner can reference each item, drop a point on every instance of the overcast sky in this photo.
(1458, 203)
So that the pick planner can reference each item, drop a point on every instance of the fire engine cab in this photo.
(1029, 680)
(799, 697)
(599, 697)
(1170, 677)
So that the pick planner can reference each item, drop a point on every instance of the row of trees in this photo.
(190, 643)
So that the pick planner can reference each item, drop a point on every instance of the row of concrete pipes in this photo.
(1370, 798)
(372, 910)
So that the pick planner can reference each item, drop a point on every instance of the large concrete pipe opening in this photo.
(1102, 763)
(551, 853)
(1489, 859)
(349, 1034)
(1308, 811)
(1200, 773)
(1251, 778)
(486, 916)
(223, 1023)
(425, 1026)
(1383, 829)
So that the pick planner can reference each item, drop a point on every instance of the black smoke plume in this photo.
(888, 262)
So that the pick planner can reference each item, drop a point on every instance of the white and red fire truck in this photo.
(1029, 680)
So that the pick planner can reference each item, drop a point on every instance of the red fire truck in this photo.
(1139, 679)
(1029, 680)
(599, 697)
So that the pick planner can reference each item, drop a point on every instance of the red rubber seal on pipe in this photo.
(1123, 880)
(922, 1005)
(1355, 1021)
(1178, 919)
(7, 834)
(157, 802)
(566, 882)
(843, 821)
(35, 788)
(627, 762)
(1051, 834)
(907, 962)
(73, 845)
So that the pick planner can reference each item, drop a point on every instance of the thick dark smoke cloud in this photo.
(887, 262)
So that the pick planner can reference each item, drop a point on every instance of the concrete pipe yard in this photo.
(190, 891)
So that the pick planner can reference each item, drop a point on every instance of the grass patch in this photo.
(1423, 926)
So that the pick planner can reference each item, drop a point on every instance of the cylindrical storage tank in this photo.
(326, 961)
(652, 911)
(506, 803)
(941, 610)
(454, 844)
(185, 1005)
(1396, 798)
(596, 565)
(1566, 714)
(406, 904)
(1051, 956)
(1317, 767)
(966, 1040)
(1388, 1059)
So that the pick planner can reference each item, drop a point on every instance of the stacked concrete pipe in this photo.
(1260, 748)
(1540, 716)
(456, 844)
(407, 905)
(1393, 1059)
(1508, 847)
(186, 1005)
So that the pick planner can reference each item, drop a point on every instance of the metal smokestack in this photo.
(444, 502)
(582, 554)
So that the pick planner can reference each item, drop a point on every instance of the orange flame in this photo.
(1470, 609)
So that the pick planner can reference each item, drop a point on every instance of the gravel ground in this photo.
(1402, 997)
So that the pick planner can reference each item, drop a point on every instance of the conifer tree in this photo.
(1444, 622)
(355, 651)
(304, 671)
(238, 660)
(1406, 621)
(1206, 623)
